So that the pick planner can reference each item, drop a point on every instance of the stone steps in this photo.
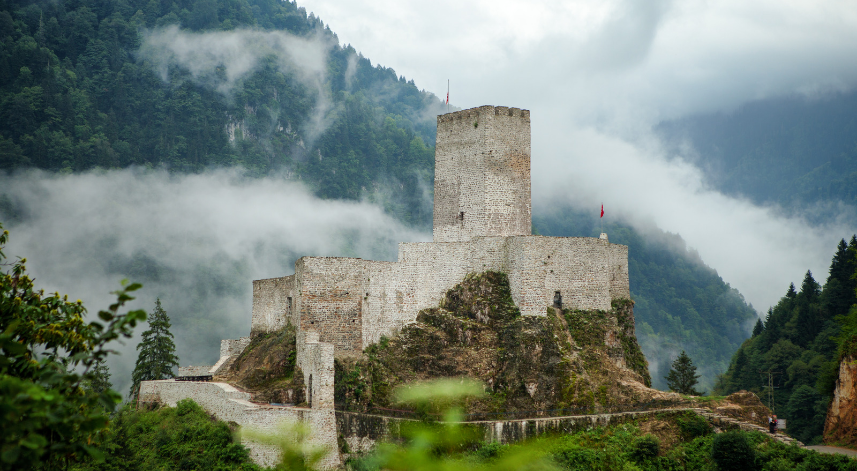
(721, 422)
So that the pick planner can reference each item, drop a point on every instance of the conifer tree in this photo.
(758, 328)
(157, 351)
(100, 381)
(682, 376)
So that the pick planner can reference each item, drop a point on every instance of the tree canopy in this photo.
(50, 355)
(805, 335)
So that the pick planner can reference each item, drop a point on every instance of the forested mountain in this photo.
(80, 89)
(86, 84)
(680, 303)
(801, 343)
(793, 151)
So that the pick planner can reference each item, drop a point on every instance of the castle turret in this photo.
(482, 174)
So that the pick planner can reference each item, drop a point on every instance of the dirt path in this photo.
(834, 450)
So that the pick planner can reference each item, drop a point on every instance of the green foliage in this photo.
(682, 376)
(804, 338)
(693, 426)
(157, 358)
(644, 449)
(679, 302)
(181, 437)
(732, 451)
(53, 401)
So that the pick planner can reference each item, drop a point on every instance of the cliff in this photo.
(840, 425)
(574, 360)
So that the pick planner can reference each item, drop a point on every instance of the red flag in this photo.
(447, 98)
(602, 209)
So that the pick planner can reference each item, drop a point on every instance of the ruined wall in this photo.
(271, 304)
(482, 174)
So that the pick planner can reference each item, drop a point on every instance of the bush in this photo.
(645, 448)
(693, 426)
(732, 451)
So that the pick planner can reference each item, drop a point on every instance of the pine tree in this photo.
(682, 376)
(758, 328)
(157, 351)
(100, 381)
(791, 293)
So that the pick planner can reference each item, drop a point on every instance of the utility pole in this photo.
(770, 387)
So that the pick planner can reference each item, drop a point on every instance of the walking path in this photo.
(834, 450)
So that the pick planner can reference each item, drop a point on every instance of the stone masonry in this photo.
(482, 221)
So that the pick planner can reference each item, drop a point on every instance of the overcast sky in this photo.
(597, 75)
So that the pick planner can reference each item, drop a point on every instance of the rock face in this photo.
(840, 426)
(568, 359)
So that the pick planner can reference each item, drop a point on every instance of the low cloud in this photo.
(194, 241)
(223, 59)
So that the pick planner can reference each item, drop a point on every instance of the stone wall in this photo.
(229, 351)
(272, 299)
(330, 299)
(482, 174)
(194, 370)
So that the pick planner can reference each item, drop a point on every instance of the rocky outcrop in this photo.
(566, 362)
(840, 426)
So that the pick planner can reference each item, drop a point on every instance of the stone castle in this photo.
(482, 221)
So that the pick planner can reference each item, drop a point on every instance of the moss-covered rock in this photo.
(564, 360)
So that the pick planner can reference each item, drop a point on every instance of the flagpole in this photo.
(447, 95)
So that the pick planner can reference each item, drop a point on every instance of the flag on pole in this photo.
(602, 209)
(447, 97)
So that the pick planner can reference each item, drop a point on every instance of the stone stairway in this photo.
(722, 422)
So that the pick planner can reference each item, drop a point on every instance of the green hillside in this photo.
(801, 342)
(793, 151)
(680, 303)
(76, 94)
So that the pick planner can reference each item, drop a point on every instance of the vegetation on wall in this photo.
(801, 343)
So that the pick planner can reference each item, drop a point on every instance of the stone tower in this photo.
(482, 174)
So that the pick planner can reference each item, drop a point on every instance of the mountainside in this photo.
(802, 341)
(680, 303)
(87, 84)
(793, 151)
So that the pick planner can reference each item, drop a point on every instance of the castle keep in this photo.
(340, 306)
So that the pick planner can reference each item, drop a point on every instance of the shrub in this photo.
(732, 451)
(693, 426)
(645, 448)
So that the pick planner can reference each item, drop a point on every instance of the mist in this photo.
(222, 59)
(597, 76)
(194, 241)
